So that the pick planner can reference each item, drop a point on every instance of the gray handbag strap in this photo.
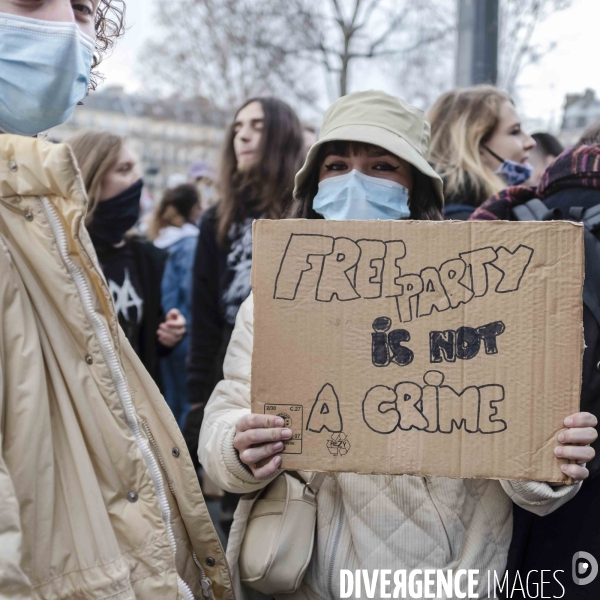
(316, 481)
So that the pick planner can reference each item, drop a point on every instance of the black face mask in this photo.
(114, 217)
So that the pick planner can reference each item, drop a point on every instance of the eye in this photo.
(85, 9)
(336, 166)
(385, 166)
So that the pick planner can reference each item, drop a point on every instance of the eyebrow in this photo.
(378, 152)
(252, 121)
(370, 153)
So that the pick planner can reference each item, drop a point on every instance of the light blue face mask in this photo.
(44, 72)
(358, 197)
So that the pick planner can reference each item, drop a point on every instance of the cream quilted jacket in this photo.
(98, 495)
(373, 521)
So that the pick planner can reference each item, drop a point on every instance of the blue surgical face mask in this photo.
(358, 197)
(44, 72)
(512, 172)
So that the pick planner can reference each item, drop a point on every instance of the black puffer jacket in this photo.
(549, 543)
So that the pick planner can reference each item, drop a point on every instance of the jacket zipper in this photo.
(334, 549)
(118, 376)
(439, 514)
(205, 581)
(157, 452)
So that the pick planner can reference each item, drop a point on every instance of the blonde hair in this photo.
(461, 121)
(96, 152)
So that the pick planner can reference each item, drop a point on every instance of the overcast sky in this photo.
(570, 68)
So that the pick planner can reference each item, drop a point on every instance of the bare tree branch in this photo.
(387, 33)
(519, 19)
(226, 50)
(338, 13)
(368, 12)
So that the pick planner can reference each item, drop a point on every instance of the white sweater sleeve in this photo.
(229, 402)
(539, 497)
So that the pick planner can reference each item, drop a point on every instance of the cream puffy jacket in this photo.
(373, 521)
(98, 495)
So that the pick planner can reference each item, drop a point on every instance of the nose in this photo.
(244, 134)
(530, 143)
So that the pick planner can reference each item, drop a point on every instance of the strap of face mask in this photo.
(494, 154)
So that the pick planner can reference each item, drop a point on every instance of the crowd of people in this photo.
(100, 478)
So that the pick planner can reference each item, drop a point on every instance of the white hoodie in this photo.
(171, 235)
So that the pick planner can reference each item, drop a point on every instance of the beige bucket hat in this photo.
(376, 118)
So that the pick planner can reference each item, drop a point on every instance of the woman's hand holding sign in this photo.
(257, 439)
(575, 444)
(260, 438)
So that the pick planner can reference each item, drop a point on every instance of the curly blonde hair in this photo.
(109, 25)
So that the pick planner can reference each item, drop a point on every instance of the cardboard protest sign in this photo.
(432, 348)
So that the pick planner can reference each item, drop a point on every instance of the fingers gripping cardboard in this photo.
(432, 348)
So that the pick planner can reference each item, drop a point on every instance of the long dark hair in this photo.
(182, 198)
(267, 187)
(424, 202)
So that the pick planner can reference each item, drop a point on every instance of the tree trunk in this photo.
(345, 64)
(344, 78)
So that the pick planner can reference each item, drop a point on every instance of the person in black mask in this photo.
(132, 266)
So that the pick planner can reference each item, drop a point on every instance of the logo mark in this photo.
(585, 568)
(338, 445)
(287, 420)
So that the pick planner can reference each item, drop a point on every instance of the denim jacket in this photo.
(181, 244)
(177, 279)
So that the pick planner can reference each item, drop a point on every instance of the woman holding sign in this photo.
(370, 163)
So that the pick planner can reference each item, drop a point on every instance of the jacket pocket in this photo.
(440, 515)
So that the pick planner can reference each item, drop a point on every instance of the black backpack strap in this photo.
(591, 218)
(536, 210)
(576, 213)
